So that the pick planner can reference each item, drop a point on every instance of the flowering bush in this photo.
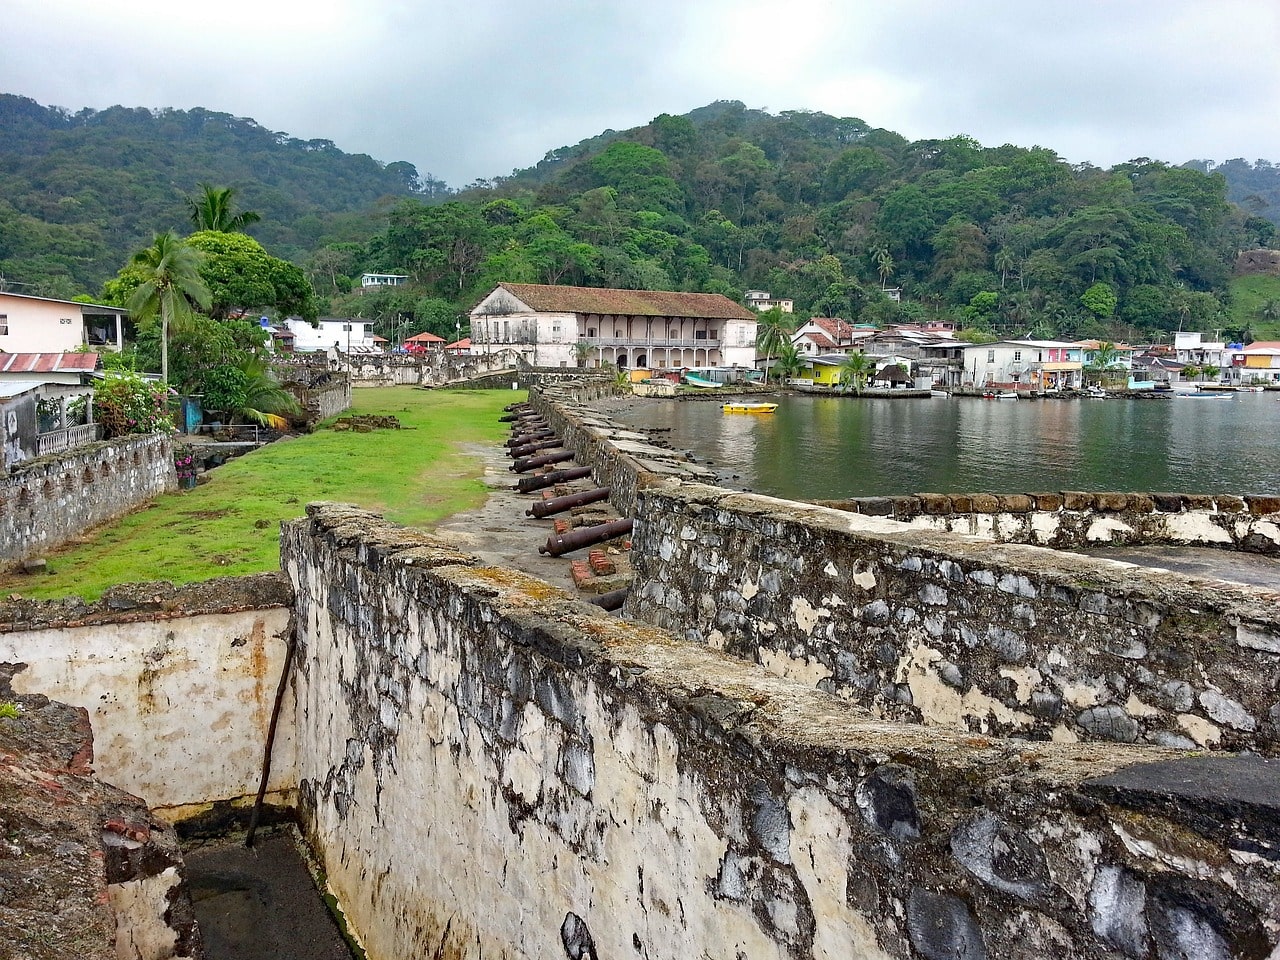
(126, 403)
(184, 462)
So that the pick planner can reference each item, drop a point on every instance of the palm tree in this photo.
(854, 371)
(1005, 263)
(171, 283)
(790, 363)
(212, 210)
(772, 333)
(1270, 309)
(265, 401)
(884, 266)
(582, 352)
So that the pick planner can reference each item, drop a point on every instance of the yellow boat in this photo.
(750, 407)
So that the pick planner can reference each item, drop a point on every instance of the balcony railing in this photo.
(55, 441)
(684, 342)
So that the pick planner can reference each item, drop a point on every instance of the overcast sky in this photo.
(475, 89)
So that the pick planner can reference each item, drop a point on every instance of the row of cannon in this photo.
(534, 446)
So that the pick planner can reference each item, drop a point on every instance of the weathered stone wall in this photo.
(432, 368)
(45, 502)
(932, 627)
(86, 873)
(620, 459)
(179, 682)
(322, 402)
(1071, 520)
(489, 768)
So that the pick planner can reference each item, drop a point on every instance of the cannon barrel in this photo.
(558, 504)
(542, 480)
(525, 464)
(520, 407)
(580, 537)
(525, 449)
(613, 600)
(524, 438)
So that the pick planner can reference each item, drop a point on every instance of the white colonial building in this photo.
(346, 335)
(657, 329)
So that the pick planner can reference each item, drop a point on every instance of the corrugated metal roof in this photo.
(15, 388)
(635, 303)
(48, 362)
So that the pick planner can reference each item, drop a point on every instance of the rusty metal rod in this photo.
(525, 464)
(558, 504)
(525, 449)
(613, 600)
(543, 480)
(581, 537)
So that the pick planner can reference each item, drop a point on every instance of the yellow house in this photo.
(823, 371)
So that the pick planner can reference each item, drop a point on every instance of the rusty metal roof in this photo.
(636, 303)
(48, 362)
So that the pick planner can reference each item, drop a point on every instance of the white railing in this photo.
(55, 441)
(687, 343)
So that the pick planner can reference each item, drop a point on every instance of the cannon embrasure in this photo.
(579, 537)
(559, 504)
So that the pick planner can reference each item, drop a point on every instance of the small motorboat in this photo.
(750, 407)
(1006, 395)
(1095, 393)
(693, 380)
(936, 392)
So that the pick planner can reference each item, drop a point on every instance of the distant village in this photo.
(50, 350)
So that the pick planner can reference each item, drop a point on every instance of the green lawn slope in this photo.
(416, 476)
(1248, 295)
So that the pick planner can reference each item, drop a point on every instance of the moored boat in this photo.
(750, 407)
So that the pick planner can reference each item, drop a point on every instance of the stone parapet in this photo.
(1073, 519)
(931, 627)
(470, 728)
(46, 502)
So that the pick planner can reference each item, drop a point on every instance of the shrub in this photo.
(126, 403)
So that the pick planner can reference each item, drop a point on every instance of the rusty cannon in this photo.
(525, 464)
(576, 539)
(543, 480)
(524, 438)
(520, 407)
(528, 448)
(559, 504)
(613, 600)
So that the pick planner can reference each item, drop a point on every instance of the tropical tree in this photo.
(265, 401)
(855, 370)
(214, 210)
(1270, 309)
(772, 333)
(1210, 371)
(884, 266)
(582, 352)
(170, 285)
(1191, 371)
(789, 363)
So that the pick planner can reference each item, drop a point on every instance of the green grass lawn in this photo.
(416, 476)
(1248, 294)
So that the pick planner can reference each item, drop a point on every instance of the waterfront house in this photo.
(1258, 362)
(44, 325)
(1192, 348)
(1021, 364)
(657, 329)
(823, 335)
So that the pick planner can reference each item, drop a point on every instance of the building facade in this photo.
(43, 325)
(1030, 364)
(553, 326)
(346, 335)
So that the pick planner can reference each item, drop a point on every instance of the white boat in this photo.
(1095, 393)
(1006, 395)
(938, 393)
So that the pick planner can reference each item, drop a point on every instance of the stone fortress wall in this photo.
(46, 502)
(740, 768)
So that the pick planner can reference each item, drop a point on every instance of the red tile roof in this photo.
(636, 303)
(48, 362)
(424, 338)
(1263, 345)
(822, 340)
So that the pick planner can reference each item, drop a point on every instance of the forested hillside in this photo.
(79, 192)
(828, 211)
(1254, 186)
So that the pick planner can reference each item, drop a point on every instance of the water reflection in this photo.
(830, 447)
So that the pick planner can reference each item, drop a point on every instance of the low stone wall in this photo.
(470, 730)
(46, 502)
(433, 368)
(932, 627)
(179, 682)
(321, 403)
(86, 873)
(1070, 520)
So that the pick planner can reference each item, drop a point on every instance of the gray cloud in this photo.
(477, 89)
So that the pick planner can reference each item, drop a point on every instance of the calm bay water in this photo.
(833, 447)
